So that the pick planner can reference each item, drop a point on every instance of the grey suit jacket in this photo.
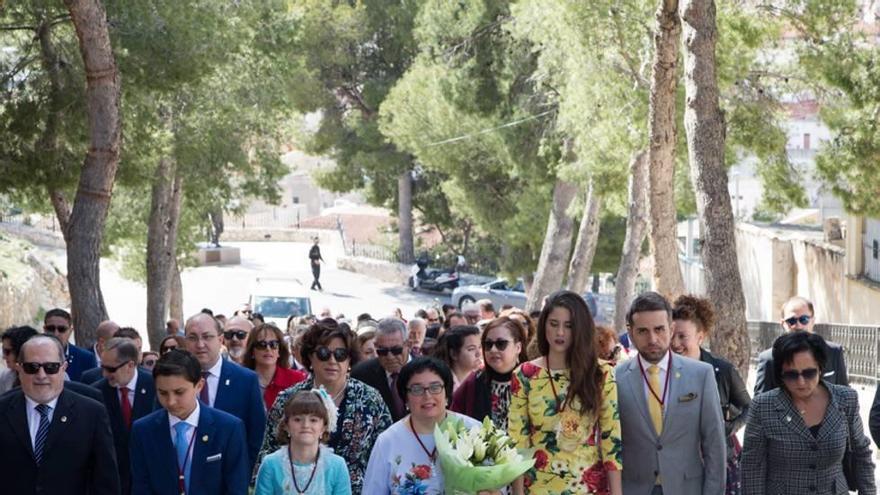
(690, 454)
(781, 456)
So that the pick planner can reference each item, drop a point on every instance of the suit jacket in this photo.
(219, 459)
(690, 453)
(91, 376)
(373, 374)
(144, 403)
(238, 393)
(777, 436)
(835, 369)
(78, 456)
(79, 360)
(874, 418)
(732, 391)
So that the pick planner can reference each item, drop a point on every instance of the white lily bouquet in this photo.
(480, 458)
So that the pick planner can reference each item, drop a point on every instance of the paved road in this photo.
(225, 288)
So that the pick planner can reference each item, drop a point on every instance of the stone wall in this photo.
(30, 283)
(385, 271)
(287, 235)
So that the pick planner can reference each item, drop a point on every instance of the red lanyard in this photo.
(181, 482)
(662, 400)
(432, 455)
(559, 408)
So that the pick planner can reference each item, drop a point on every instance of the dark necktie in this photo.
(42, 432)
(203, 395)
(125, 405)
(395, 397)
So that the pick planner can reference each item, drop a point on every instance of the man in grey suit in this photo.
(670, 412)
(797, 315)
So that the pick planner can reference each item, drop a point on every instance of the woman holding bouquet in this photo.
(564, 406)
(404, 458)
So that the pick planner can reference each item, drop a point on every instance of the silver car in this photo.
(499, 291)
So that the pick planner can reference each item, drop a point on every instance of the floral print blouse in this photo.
(363, 415)
(572, 453)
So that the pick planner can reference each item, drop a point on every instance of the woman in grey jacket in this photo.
(796, 435)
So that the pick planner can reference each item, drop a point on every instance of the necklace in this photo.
(432, 454)
(559, 408)
(302, 491)
(660, 400)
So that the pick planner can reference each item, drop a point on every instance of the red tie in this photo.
(126, 406)
(204, 393)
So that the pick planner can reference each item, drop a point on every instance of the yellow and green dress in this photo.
(572, 452)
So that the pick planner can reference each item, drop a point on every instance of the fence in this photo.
(354, 248)
(861, 344)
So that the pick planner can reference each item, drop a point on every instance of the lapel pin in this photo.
(205, 438)
(677, 374)
(143, 390)
(788, 418)
(64, 419)
(227, 382)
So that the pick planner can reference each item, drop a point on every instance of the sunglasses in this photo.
(266, 344)
(113, 369)
(55, 328)
(383, 351)
(339, 354)
(149, 362)
(34, 368)
(499, 344)
(802, 319)
(793, 375)
(163, 350)
(238, 334)
(420, 390)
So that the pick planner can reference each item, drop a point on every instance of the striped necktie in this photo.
(42, 432)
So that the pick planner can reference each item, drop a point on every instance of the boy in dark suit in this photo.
(187, 447)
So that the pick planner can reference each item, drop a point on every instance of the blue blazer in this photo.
(79, 360)
(219, 461)
(144, 404)
(238, 393)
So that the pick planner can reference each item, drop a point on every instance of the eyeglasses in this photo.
(238, 334)
(435, 388)
(114, 369)
(499, 344)
(433, 320)
(793, 375)
(340, 354)
(34, 368)
(266, 344)
(55, 328)
(383, 351)
(802, 319)
(195, 338)
(149, 362)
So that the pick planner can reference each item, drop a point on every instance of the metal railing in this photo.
(861, 345)
(353, 248)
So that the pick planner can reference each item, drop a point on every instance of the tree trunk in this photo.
(175, 294)
(585, 246)
(405, 218)
(557, 245)
(661, 153)
(92, 200)
(636, 231)
(704, 125)
(161, 245)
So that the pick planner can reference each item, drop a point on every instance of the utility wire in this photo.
(486, 131)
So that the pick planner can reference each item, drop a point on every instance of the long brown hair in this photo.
(585, 376)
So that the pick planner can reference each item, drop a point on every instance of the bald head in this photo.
(103, 333)
(239, 323)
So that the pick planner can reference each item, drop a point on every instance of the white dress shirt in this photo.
(213, 380)
(33, 417)
(662, 365)
(192, 420)
(130, 386)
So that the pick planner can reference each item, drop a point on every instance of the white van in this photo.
(277, 299)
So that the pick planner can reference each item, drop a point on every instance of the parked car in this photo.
(277, 299)
(501, 292)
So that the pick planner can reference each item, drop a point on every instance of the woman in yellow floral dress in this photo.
(564, 406)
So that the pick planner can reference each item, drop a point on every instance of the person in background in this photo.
(57, 322)
(692, 320)
(530, 344)
(103, 333)
(487, 309)
(303, 462)
(257, 319)
(606, 344)
(8, 377)
(148, 360)
(267, 355)
(392, 350)
(172, 327)
(453, 319)
(187, 447)
(459, 349)
(315, 260)
(433, 316)
(797, 435)
(486, 392)
(471, 313)
(235, 334)
(367, 344)
(416, 330)
(171, 342)
(130, 333)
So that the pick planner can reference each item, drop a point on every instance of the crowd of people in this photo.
(330, 405)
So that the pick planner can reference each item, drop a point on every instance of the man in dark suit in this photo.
(187, 447)
(228, 386)
(381, 372)
(797, 315)
(53, 441)
(57, 322)
(103, 333)
(128, 393)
